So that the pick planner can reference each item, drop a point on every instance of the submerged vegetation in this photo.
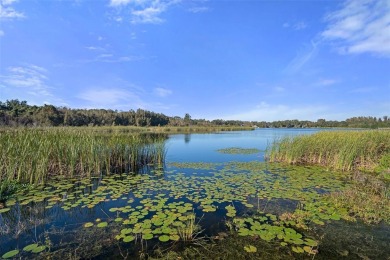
(238, 150)
(256, 202)
(358, 152)
(339, 150)
(34, 155)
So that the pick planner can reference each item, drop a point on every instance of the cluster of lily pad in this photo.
(31, 248)
(238, 150)
(162, 207)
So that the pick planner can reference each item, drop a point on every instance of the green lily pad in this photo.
(250, 249)
(88, 224)
(147, 236)
(174, 237)
(38, 249)
(10, 254)
(4, 210)
(102, 224)
(163, 238)
(128, 239)
(30, 247)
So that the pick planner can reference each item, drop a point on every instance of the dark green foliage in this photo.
(7, 189)
(19, 113)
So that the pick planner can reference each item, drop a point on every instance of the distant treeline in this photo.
(15, 113)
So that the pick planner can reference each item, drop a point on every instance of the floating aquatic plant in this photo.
(238, 150)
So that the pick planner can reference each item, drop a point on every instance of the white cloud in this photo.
(119, 2)
(7, 12)
(327, 82)
(199, 9)
(300, 26)
(279, 89)
(360, 26)
(148, 15)
(303, 57)
(112, 98)
(111, 58)
(162, 92)
(363, 90)
(295, 26)
(95, 48)
(1, 33)
(8, 2)
(31, 79)
(29, 83)
(268, 112)
(143, 11)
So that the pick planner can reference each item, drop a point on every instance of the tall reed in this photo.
(33, 155)
(342, 150)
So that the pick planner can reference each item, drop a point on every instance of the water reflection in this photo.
(187, 138)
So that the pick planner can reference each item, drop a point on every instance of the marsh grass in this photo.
(33, 155)
(368, 199)
(340, 150)
(190, 230)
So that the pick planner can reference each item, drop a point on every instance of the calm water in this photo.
(203, 147)
(196, 180)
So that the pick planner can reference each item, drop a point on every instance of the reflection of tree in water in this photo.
(187, 138)
(20, 219)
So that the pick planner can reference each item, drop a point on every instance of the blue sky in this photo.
(245, 60)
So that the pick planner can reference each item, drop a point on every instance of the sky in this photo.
(251, 60)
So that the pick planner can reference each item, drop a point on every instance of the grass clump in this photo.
(368, 199)
(340, 150)
(190, 230)
(33, 155)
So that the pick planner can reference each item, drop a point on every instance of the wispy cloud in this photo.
(162, 92)
(360, 26)
(31, 79)
(297, 26)
(199, 9)
(119, 2)
(7, 12)
(303, 57)
(111, 58)
(364, 90)
(117, 98)
(1, 33)
(144, 11)
(95, 48)
(31, 83)
(279, 89)
(326, 82)
(272, 112)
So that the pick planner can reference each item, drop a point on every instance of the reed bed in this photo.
(341, 150)
(34, 155)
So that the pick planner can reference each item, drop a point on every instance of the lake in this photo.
(208, 201)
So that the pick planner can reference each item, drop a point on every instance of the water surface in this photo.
(236, 200)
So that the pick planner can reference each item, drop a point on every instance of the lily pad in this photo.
(10, 254)
(128, 239)
(30, 247)
(38, 249)
(102, 224)
(88, 224)
(4, 210)
(250, 249)
(163, 238)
